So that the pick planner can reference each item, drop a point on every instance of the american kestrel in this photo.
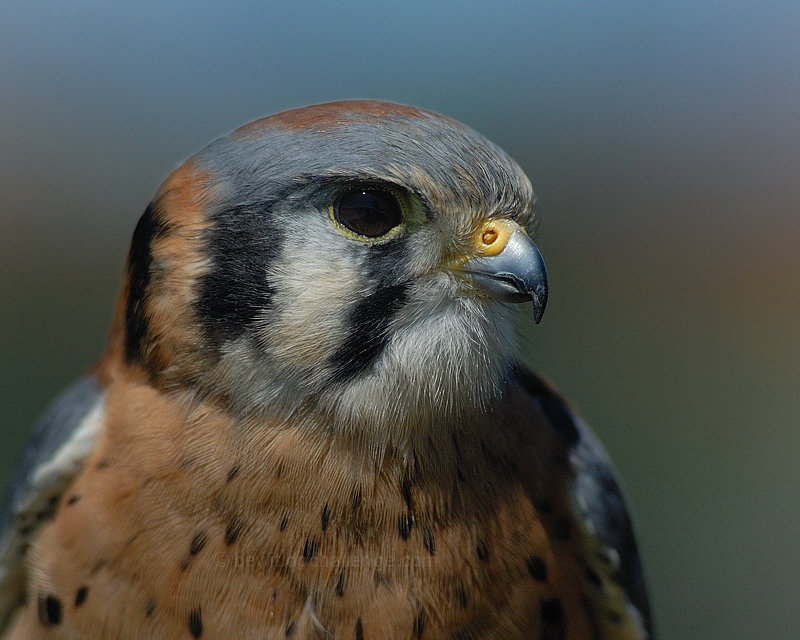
(312, 420)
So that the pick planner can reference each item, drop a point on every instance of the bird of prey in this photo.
(312, 419)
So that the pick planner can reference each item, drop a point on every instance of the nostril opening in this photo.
(489, 236)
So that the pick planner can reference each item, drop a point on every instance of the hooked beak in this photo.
(510, 267)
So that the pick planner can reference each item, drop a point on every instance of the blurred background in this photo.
(664, 143)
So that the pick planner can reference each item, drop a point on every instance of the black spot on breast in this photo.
(105, 463)
(325, 518)
(73, 499)
(197, 543)
(80, 595)
(356, 497)
(537, 568)
(196, 623)
(49, 608)
(482, 551)
(419, 625)
(359, 630)
(429, 540)
(462, 596)
(291, 629)
(310, 549)
(367, 332)
(404, 524)
(140, 260)
(242, 244)
(405, 491)
(340, 584)
(552, 616)
(283, 524)
(149, 607)
(233, 472)
(233, 530)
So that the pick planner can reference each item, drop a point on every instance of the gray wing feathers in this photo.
(55, 452)
(600, 502)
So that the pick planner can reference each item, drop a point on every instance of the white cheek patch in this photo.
(316, 281)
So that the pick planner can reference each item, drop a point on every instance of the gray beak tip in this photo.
(539, 303)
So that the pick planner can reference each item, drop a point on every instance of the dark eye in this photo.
(368, 212)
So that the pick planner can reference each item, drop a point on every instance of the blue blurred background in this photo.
(664, 143)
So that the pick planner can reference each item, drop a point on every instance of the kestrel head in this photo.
(351, 263)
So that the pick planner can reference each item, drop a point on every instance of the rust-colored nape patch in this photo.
(155, 308)
(182, 202)
(333, 114)
(170, 229)
(182, 195)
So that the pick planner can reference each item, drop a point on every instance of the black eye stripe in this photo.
(368, 211)
(368, 332)
(149, 228)
(242, 244)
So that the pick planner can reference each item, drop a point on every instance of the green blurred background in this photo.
(664, 143)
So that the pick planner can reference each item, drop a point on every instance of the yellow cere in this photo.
(493, 236)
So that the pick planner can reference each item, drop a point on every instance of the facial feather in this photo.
(296, 316)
